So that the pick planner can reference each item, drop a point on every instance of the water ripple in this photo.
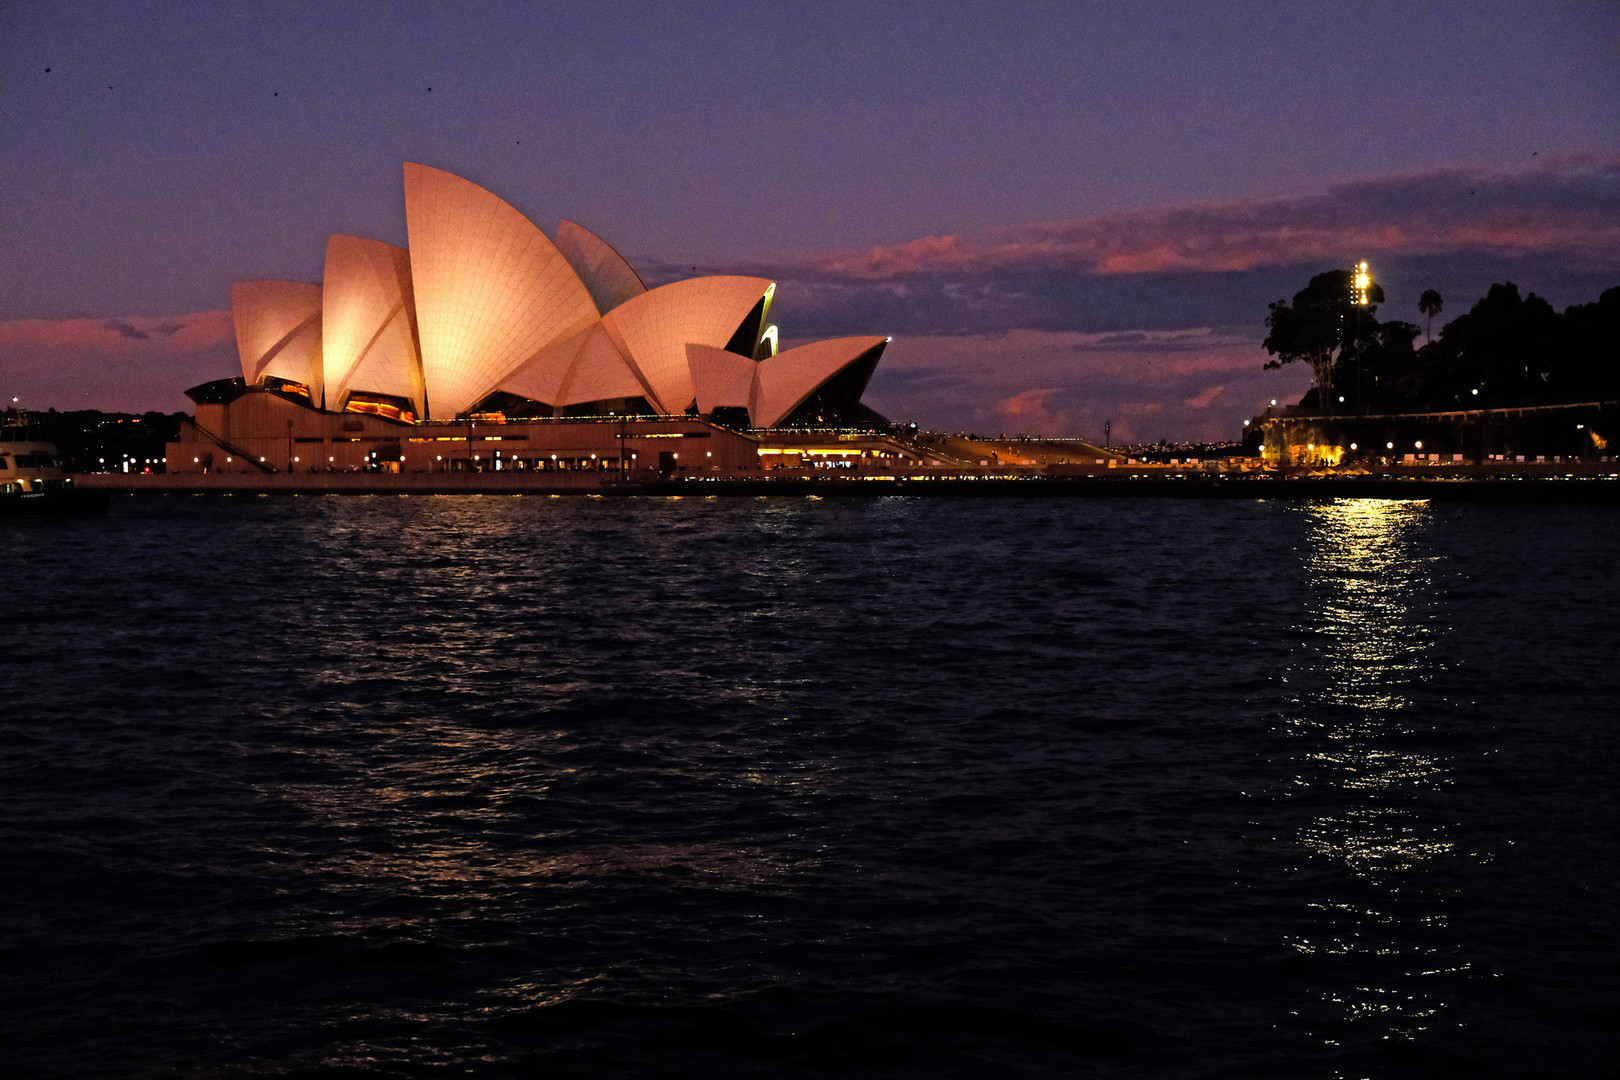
(889, 787)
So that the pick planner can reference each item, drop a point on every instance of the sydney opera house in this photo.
(489, 345)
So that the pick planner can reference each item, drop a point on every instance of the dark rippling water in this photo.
(359, 787)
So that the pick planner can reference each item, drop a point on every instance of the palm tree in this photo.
(1429, 304)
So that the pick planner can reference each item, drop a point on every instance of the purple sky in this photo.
(1064, 216)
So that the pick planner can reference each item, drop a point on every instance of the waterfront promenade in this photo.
(1574, 482)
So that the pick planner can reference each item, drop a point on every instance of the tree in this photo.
(1589, 348)
(1392, 372)
(1503, 350)
(1429, 304)
(1322, 325)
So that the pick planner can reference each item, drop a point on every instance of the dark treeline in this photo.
(95, 441)
(1507, 350)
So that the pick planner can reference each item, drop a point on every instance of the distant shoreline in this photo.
(1588, 489)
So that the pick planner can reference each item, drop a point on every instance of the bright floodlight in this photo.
(1361, 284)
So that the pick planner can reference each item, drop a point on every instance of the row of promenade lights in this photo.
(440, 457)
(330, 460)
(129, 460)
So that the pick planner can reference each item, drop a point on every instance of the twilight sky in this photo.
(1064, 213)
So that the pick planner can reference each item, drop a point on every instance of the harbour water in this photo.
(477, 786)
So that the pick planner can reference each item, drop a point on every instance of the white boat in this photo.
(33, 479)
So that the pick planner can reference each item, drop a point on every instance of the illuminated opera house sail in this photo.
(484, 314)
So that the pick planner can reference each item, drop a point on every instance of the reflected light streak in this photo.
(460, 863)
(1368, 639)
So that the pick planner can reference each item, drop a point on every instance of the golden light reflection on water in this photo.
(1368, 637)
(460, 822)
(463, 862)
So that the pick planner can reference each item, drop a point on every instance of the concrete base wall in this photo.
(353, 483)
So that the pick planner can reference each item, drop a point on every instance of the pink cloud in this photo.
(1146, 385)
(1564, 207)
(1029, 403)
(120, 336)
(134, 363)
(1030, 413)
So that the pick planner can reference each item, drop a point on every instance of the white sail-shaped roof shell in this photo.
(607, 276)
(541, 376)
(482, 300)
(278, 331)
(600, 372)
(720, 378)
(491, 291)
(585, 367)
(367, 339)
(655, 328)
(782, 382)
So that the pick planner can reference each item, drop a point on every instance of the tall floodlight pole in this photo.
(1360, 294)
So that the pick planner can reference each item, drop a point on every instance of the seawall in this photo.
(1173, 486)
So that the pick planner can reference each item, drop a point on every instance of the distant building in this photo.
(485, 320)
